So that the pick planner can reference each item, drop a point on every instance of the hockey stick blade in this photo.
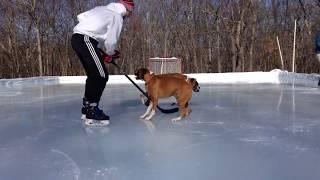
(167, 111)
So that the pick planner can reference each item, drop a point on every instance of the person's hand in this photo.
(116, 55)
(107, 58)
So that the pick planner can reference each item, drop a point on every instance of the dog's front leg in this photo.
(147, 112)
(142, 99)
(154, 103)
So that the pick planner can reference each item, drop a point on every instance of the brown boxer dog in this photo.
(166, 85)
(192, 81)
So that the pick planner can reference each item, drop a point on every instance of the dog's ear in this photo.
(193, 81)
(144, 71)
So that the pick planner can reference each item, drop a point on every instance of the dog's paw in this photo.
(176, 119)
(148, 118)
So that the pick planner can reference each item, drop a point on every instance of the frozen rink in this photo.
(243, 132)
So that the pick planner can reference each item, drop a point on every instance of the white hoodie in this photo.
(104, 24)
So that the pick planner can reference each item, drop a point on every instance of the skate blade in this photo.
(95, 123)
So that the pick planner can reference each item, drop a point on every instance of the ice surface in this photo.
(243, 132)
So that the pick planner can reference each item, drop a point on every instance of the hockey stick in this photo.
(167, 111)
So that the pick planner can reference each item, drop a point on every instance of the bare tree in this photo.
(210, 36)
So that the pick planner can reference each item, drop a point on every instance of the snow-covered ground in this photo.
(244, 126)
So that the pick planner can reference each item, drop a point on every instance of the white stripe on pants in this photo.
(94, 56)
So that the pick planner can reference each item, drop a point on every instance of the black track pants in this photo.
(92, 61)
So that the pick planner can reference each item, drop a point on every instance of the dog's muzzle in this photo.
(196, 89)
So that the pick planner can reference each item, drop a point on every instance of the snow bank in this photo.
(273, 77)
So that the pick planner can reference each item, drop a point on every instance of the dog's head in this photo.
(139, 73)
(195, 84)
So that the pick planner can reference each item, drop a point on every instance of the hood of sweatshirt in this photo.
(117, 8)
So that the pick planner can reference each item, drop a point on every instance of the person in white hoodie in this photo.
(98, 29)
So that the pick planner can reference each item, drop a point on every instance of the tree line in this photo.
(209, 35)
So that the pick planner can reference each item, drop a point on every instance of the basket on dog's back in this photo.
(165, 65)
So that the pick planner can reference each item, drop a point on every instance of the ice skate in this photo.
(96, 117)
(84, 109)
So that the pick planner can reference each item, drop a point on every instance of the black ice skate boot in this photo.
(84, 109)
(95, 116)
